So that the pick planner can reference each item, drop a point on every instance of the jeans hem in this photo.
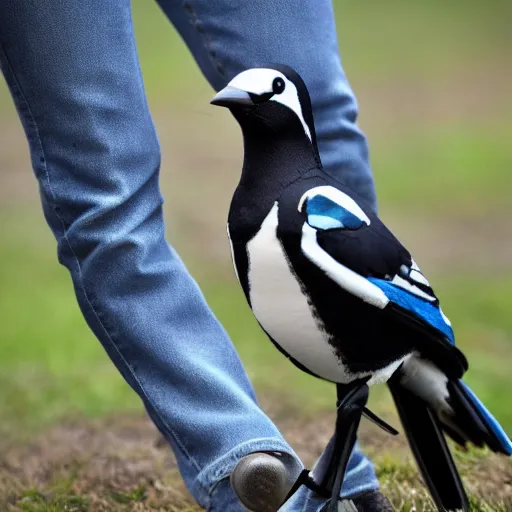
(223, 466)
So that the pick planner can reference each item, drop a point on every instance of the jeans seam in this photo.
(31, 118)
(218, 65)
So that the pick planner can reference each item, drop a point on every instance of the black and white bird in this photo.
(338, 294)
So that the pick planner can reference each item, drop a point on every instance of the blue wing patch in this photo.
(323, 213)
(425, 310)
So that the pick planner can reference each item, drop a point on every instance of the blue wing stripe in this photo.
(420, 307)
(324, 222)
(323, 213)
(490, 421)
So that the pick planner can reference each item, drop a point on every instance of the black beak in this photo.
(231, 96)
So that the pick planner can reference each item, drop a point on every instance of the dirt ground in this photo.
(121, 463)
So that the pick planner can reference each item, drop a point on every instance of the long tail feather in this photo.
(430, 450)
(475, 420)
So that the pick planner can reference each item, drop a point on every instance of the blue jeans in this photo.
(73, 72)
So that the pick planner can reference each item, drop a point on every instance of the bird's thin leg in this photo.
(380, 422)
(351, 402)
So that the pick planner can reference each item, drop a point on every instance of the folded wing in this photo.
(355, 249)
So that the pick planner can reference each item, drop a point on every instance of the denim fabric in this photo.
(73, 72)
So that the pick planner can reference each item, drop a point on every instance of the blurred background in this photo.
(434, 84)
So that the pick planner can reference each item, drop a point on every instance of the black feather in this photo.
(430, 450)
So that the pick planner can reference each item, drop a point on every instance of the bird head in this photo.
(275, 95)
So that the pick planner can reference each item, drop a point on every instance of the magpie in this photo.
(339, 295)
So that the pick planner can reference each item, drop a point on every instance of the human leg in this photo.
(73, 72)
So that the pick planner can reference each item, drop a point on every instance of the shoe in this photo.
(261, 482)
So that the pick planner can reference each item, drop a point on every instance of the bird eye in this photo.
(278, 85)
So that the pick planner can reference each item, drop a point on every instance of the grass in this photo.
(452, 172)
(117, 466)
(53, 370)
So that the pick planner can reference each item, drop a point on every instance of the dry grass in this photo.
(120, 463)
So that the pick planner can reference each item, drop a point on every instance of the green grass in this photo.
(401, 484)
(35, 501)
(426, 41)
(454, 171)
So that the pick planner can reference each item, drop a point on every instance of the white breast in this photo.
(282, 308)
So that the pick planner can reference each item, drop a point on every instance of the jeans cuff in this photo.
(222, 467)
